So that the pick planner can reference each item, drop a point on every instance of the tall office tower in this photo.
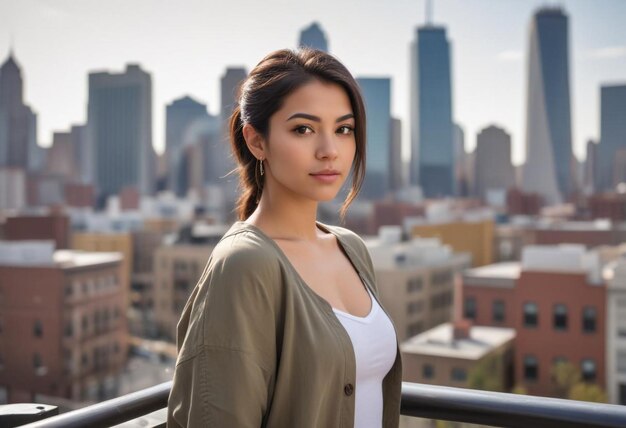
(460, 162)
(119, 127)
(432, 143)
(17, 121)
(591, 162)
(181, 115)
(84, 163)
(493, 167)
(396, 173)
(313, 37)
(230, 84)
(36, 153)
(612, 134)
(218, 150)
(549, 158)
(61, 157)
(377, 97)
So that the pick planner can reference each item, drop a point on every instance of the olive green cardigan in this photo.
(259, 348)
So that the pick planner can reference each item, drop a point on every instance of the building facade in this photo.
(555, 299)
(432, 143)
(549, 157)
(612, 136)
(119, 130)
(313, 37)
(377, 97)
(493, 168)
(65, 309)
(415, 280)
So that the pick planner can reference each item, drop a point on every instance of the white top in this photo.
(374, 342)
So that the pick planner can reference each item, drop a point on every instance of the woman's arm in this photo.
(224, 376)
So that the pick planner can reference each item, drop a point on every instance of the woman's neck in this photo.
(286, 219)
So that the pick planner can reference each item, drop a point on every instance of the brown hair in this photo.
(262, 94)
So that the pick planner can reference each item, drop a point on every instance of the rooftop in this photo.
(439, 341)
(41, 253)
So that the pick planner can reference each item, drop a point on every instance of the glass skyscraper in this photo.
(612, 135)
(549, 157)
(313, 37)
(432, 148)
(119, 131)
(377, 96)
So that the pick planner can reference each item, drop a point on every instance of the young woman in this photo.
(284, 328)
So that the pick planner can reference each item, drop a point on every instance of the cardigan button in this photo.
(348, 389)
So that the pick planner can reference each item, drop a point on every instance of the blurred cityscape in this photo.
(497, 277)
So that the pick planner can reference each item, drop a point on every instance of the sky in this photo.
(186, 45)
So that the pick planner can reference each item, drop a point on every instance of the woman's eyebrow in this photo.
(317, 119)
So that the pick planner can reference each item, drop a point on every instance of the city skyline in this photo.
(190, 48)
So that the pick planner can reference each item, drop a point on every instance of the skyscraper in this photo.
(493, 167)
(119, 128)
(432, 148)
(612, 135)
(17, 121)
(549, 157)
(396, 170)
(181, 114)
(313, 37)
(377, 97)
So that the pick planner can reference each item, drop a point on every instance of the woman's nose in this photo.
(327, 148)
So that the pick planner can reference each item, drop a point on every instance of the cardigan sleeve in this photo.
(225, 371)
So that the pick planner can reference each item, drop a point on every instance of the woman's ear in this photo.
(254, 141)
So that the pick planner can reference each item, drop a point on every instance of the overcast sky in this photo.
(187, 44)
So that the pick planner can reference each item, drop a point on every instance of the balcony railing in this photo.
(423, 401)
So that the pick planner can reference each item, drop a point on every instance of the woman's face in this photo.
(311, 144)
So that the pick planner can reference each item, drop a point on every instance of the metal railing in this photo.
(418, 400)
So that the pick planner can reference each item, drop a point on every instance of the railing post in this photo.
(13, 415)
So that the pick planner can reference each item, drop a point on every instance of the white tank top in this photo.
(374, 342)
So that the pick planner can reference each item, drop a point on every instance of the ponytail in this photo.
(250, 183)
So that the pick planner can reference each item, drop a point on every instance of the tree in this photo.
(569, 384)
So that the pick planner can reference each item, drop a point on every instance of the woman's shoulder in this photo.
(244, 248)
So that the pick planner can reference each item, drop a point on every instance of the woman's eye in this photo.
(303, 130)
(346, 130)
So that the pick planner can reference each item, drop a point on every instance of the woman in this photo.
(284, 328)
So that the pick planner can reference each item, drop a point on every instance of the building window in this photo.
(458, 374)
(560, 317)
(498, 311)
(428, 371)
(469, 308)
(69, 329)
(621, 362)
(588, 370)
(85, 325)
(38, 329)
(531, 314)
(531, 368)
(414, 284)
(589, 319)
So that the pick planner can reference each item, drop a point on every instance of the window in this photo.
(560, 317)
(621, 362)
(588, 370)
(38, 329)
(531, 368)
(498, 311)
(414, 284)
(85, 325)
(469, 308)
(69, 329)
(531, 314)
(428, 371)
(589, 319)
(458, 374)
